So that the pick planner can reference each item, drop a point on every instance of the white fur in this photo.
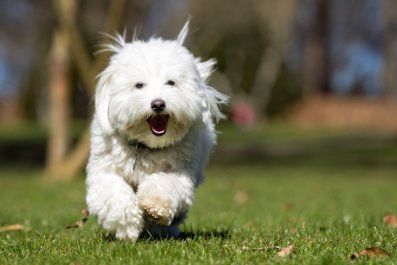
(132, 190)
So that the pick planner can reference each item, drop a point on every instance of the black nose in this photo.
(158, 105)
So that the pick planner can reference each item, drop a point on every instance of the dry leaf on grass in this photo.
(85, 212)
(80, 223)
(370, 252)
(12, 228)
(390, 220)
(284, 252)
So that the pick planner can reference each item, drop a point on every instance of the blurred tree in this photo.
(275, 19)
(390, 44)
(68, 164)
(343, 46)
(59, 87)
(24, 31)
(316, 58)
(249, 39)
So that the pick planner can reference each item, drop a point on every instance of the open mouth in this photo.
(158, 123)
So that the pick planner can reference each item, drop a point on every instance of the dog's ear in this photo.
(212, 99)
(206, 68)
(102, 98)
(183, 33)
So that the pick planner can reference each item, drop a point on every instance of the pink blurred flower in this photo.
(243, 115)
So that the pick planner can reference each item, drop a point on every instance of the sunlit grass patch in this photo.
(242, 214)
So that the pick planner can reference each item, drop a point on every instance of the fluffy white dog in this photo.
(151, 136)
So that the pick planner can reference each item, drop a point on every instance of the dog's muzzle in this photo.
(158, 122)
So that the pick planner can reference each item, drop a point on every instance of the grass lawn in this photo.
(327, 204)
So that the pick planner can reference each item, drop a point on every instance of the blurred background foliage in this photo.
(307, 63)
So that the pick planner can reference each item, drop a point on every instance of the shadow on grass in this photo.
(221, 234)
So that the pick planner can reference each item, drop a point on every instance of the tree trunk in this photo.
(390, 48)
(276, 20)
(59, 91)
(316, 65)
(71, 163)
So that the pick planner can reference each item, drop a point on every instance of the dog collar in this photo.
(137, 144)
(141, 145)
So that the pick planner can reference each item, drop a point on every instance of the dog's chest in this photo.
(134, 164)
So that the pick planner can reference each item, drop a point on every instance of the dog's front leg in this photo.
(164, 196)
(115, 204)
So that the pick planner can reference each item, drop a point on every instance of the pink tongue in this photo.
(158, 124)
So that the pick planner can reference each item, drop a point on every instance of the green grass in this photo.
(242, 214)
(326, 202)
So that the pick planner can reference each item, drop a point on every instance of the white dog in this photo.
(151, 136)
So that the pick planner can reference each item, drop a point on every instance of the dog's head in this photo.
(154, 91)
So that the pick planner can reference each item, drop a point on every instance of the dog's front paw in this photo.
(157, 209)
(123, 219)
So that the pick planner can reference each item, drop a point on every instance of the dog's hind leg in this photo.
(156, 231)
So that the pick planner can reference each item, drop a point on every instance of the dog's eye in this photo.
(139, 85)
(170, 83)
